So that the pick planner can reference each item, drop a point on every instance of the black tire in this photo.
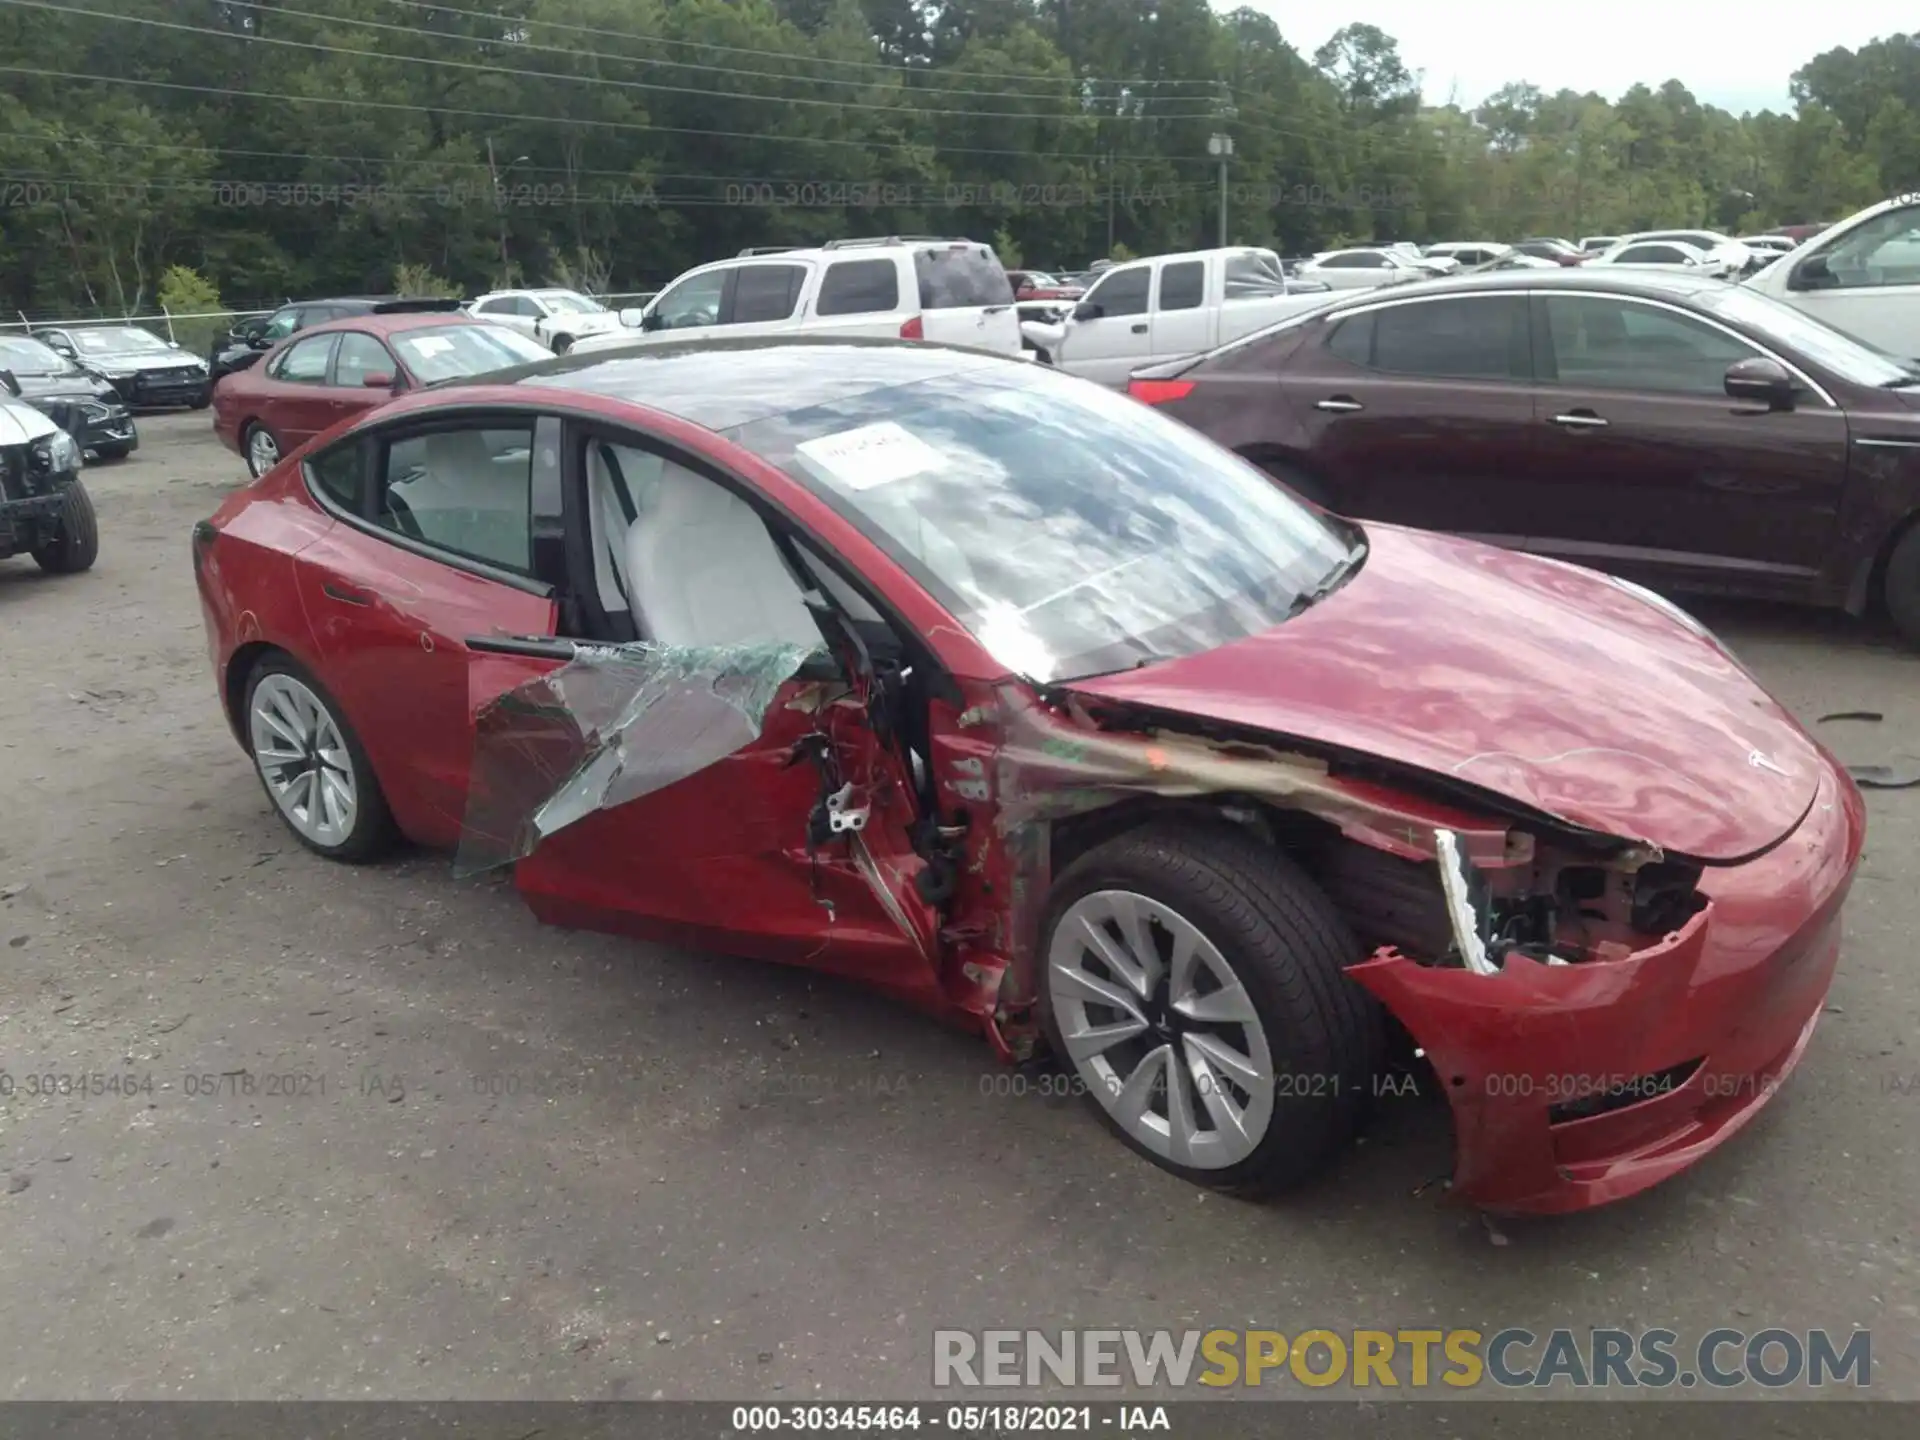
(562, 344)
(1287, 944)
(1900, 585)
(1296, 480)
(204, 399)
(76, 542)
(374, 832)
(112, 454)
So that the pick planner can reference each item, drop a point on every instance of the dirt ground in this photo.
(375, 1133)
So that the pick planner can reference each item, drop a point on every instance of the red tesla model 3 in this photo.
(1035, 708)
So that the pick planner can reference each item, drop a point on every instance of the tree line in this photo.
(222, 149)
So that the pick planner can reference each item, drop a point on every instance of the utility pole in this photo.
(1221, 147)
(500, 209)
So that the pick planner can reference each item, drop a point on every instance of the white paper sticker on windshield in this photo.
(871, 455)
(432, 345)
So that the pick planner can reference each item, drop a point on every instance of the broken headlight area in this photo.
(615, 723)
(1559, 909)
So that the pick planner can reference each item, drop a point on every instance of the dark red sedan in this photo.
(322, 375)
(1678, 430)
(1030, 706)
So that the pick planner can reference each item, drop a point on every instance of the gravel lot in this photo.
(557, 1165)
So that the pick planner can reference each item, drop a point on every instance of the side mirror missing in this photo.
(1812, 273)
(1089, 310)
(1762, 381)
(377, 380)
(652, 321)
(9, 383)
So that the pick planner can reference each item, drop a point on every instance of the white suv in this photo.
(913, 287)
(556, 318)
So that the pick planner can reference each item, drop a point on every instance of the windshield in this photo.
(30, 357)
(1071, 530)
(566, 302)
(1851, 359)
(116, 341)
(447, 352)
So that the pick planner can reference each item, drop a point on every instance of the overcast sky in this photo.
(1738, 57)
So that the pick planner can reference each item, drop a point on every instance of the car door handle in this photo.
(1580, 420)
(346, 597)
(1140, 329)
(1340, 404)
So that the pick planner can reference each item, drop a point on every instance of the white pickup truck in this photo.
(1861, 276)
(1148, 311)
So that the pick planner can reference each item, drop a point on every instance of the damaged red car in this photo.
(1036, 709)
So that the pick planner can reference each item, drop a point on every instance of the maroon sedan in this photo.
(325, 374)
(1679, 430)
(1021, 702)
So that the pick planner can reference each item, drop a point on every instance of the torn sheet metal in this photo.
(1051, 764)
(613, 724)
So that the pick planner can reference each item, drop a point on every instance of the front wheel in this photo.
(1194, 983)
(112, 454)
(1900, 586)
(312, 764)
(76, 537)
(562, 344)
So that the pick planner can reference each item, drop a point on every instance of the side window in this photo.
(859, 287)
(340, 474)
(1352, 340)
(1883, 251)
(692, 562)
(360, 355)
(468, 490)
(283, 324)
(694, 301)
(1184, 285)
(1467, 339)
(763, 293)
(502, 306)
(305, 361)
(1122, 292)
(1619, 345)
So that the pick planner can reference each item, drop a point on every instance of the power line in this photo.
(550, 75)
(631, 126)
(654, 39)
(902, 72)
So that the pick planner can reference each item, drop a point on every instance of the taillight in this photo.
(913, 330)
(1159, 392)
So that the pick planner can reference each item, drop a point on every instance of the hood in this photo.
(72, 385)
(20, 422)
(140, 359)
(1544, 683)
(591, 322)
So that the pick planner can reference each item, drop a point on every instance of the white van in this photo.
(1147, 311)
(1861, 276)
(912, 287)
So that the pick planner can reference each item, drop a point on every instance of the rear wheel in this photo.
(1194, 984)
(312, 764)
(76, 539)
(562, 344)
(1900, 585)
(260, 447)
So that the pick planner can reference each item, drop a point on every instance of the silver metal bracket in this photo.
(842, 814)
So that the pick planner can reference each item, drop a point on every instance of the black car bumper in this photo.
(102, 426)
(161, 389)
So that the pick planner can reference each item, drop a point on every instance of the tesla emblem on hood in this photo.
(1762, 762)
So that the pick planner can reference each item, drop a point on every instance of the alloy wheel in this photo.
(1160, 1028)
(303, 758)
(263, 451)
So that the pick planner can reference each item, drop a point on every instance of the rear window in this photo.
(446, 352)
(961, 278)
